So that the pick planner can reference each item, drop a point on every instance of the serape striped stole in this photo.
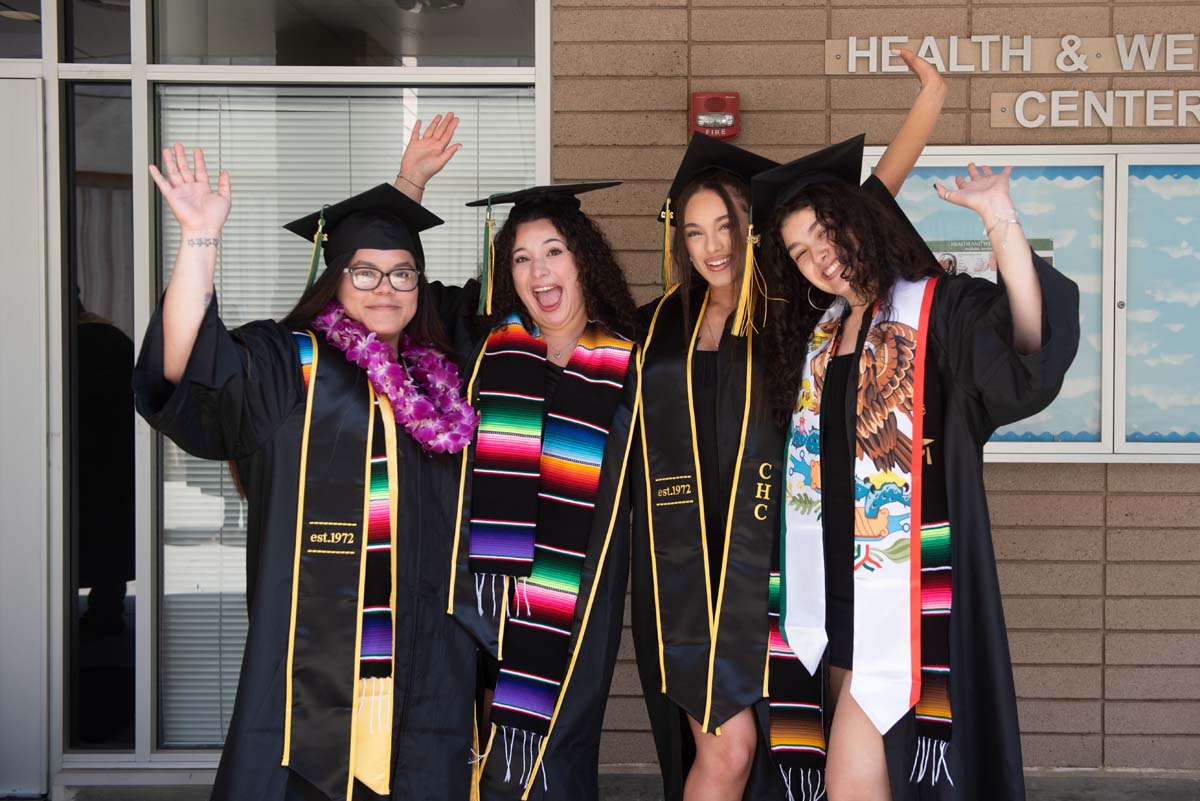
(534, 487)
(796, 697)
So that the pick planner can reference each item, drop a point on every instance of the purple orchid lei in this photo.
(423, 386)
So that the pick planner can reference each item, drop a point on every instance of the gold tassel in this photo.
(752, 286)
(667, 267)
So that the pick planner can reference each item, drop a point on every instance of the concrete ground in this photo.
(629, 787)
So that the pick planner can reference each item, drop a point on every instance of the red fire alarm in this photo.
(715, 114)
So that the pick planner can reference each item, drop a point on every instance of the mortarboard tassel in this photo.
(318, 238)
(752, 286)
(487, 268)
(666, 248)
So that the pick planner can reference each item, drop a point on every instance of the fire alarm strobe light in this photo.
(715, 114)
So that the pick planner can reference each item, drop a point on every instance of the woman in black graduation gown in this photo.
(354, 683)
(542, 548)
(706, 498)
(890, 598)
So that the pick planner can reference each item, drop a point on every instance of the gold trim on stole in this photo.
(587, 612)
(362, 580)
(287, 707)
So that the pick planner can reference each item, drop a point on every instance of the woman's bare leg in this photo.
(722, 765)
(857, 768)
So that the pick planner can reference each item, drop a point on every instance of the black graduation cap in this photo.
(705, 156)
(840, 163)
(560, 193)
(566, 193)
(382, 218)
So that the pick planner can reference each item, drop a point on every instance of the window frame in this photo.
(1123, 446)
(1115, 161)
(147, 764)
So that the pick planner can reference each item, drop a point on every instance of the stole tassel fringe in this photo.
(531, 745)
(481, 581)
(806, 784)
(930, 760)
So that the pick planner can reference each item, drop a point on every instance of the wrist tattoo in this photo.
(203, 241)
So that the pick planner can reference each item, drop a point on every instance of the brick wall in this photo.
(1100, 565)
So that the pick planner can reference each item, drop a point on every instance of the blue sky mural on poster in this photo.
(1162, 395)
(1065, 205)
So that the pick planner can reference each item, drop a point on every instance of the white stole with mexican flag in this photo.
(886, 680)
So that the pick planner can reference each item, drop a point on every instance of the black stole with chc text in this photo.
(712, 646)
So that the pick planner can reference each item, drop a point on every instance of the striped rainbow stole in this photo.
(557, 491)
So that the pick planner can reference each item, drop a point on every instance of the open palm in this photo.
(428, 153)
(984, 191)
(196, 206)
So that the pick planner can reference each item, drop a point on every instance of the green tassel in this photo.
(318, 238)
(487, 265)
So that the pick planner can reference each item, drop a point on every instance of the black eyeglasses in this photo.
(404, 279)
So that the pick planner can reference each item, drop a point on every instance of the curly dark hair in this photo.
(874, 246)
(605, 293)
(734, 194)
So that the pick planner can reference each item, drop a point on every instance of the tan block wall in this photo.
(1100, 565)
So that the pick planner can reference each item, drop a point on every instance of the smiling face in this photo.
(546, 278)
(383, 310)
(708, 235)
(812, 250)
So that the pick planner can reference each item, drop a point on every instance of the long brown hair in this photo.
(734, 194)
(875, 249)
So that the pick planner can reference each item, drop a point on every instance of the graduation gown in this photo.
(569, 768)
(242, 398)
(985, 384)
(668, 577)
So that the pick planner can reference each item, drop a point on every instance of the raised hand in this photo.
(984, 192)
(196, 206)
(428, 153)
(926, 73)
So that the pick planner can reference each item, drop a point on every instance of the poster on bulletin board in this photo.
(1062, 213)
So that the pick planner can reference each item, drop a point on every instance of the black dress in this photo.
(242, 399)
(685, 670)
(837, 480)
(708, 425)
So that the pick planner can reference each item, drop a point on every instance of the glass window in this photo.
(1062, 212)
(1162, 383)
(289, 151)
(99, 403)
(96, 31)
(21, 29)
(411, 33)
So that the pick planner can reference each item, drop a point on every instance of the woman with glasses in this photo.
(342, 421)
